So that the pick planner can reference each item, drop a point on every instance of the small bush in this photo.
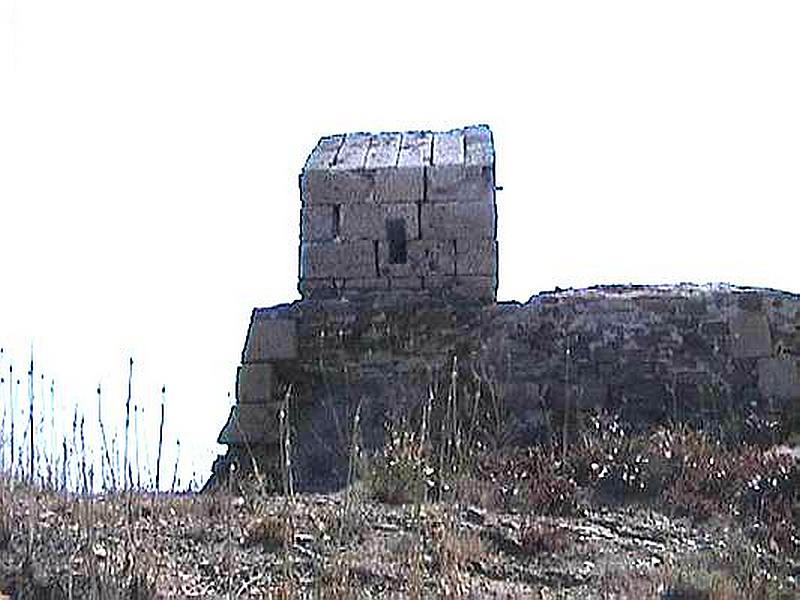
(620, 466)
(272, 532)
(531, 480)
(538, 538)
(402, 472)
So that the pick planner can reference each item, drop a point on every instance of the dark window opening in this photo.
(396, 234)
(337, 220)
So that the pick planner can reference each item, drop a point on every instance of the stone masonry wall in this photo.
(704, 354)
(399, 211)
(398, 272)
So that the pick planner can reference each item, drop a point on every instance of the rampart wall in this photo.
(703, 354)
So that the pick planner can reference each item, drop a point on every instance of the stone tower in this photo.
(393, 213)
(398, 276)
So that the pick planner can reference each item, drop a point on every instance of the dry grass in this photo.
(409, 501)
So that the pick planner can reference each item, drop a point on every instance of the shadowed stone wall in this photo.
(702, 354)
(398, 272)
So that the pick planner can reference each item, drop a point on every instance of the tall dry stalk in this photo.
(175, 471)
(450, 443)
(160, 438)
(286, 445)
(564, 429)
(284, 423)
(53, 447)
(352, 473)
(12, 403)
(105, 459)
(31, 449)
(3, 425)
(126, 474)
(136, 410)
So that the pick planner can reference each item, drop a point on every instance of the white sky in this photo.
(149, 154)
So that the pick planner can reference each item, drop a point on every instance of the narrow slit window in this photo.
(396, 234)
(337, 220)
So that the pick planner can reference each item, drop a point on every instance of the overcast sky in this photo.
(149, 154)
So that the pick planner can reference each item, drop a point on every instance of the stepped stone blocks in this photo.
(270, 339)
(398, 276)
(381, 213)
(270, 342)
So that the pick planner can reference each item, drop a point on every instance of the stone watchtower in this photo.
(396, 230)
(398, 278)
(399, 212)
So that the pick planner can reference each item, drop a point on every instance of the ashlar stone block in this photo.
(750, 335)
(477, 287)
(423, 258)
(322, 288)
(339, 177)
(270, 340)
(405, 283)
(252, 424)
(458, 220)
(369, 283)
(361, 221)
(381, 168)
(476, 257)
(406, 182)
(254, 383)
(462, 169)
(317, 223)
(779, 378)
(337, 259)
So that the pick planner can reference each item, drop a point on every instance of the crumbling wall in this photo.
(710, 355)
(398, 273)
(394, 212)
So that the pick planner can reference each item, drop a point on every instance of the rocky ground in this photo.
(345, 545)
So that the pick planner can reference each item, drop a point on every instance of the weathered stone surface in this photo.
(476, 257)
(423, 258)
(317, 223)
(353, 152)
(372, 188)
(405, 283)
(251, 424)
(336, 186)
(458, 220)
(383, 151)
(478, 146)
(384, 319)
(270, 339)
(779, 378)
(319, 288)
(477, 286)
(370, 283)
(324, 153)
(648, 352)
(456, 175)
(406, 182)
(439, 282)
(463, 287)
(337, 259)
(360, 221)
(337, 176)
(750, 335)
(254, 383)
(381, 168)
